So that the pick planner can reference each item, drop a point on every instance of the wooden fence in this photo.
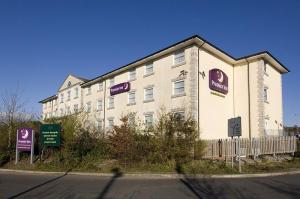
(227, 148)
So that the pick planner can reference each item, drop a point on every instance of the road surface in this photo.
(19, 185)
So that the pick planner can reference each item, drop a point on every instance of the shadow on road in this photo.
(116, 174)
(201, 188)
(40, 185)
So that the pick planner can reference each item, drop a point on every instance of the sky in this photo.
(41, 42)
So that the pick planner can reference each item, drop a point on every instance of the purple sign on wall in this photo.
(24, 139)
(218, 81)
(120, 88)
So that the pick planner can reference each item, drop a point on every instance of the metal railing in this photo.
(227, 148)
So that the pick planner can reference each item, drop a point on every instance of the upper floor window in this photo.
(132, 74)
(131, 97)
(100, 86)
(149, 68)
(61, 98)
(99, 105)
(112, 81)
(55, 102)
(179, 57)
(88, 90)
(148, 93)
(88, 107)
(68, 110)
(49, 104)
(75, 108)
(178, 87)
(76, 92)
(110, 123)
(265, 94)
(69, 95)
(179, 115)
(148, 120)
(111, 102)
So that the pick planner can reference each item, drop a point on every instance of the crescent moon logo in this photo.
(220, 76)
(126, 86)
(26, 134)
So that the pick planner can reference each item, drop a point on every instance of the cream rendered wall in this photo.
(161, 80)
(273, 107)
(214, 110)
(241, 100)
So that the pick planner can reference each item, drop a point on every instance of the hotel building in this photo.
(192, 77)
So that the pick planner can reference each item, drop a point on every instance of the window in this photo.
(100, 86)
(69, 96)
(99, 105)
(148, 120)
(112, 81)
(88, 107)
(61, 98)
(179, 57)
(131, 97)
(265, 94)
(148, 93)
(149, 69)
(75, 108)
(99, 124)
(111, 102)
(178, 87)
(132, 74)
(61, 112)
(68, 110)
(88, 90)
(55, 102)
(179, 115)
(131, 120)
(76, 93)
(110, 123)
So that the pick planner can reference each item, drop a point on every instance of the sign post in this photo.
(235, 130)
(25, 142)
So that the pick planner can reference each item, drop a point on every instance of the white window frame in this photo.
(112, 81)
(110, 123)
(89, 90)
(265, 94)
(111, 102)
(89, 107)
(179, 57)
(69, 95)
(100, 86)
(99, 105)
(61, 98)
(75, 108)
(175, 89)
(132, 74)
(147, 66)
(147, 124)
(76, 92)
(99, 124)
(129, 97)
(145, 93)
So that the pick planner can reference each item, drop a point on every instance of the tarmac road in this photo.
(21, 185)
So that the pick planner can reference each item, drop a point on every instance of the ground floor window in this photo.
(148, 120)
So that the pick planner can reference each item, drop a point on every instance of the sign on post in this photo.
(50, 134)
(234, 127)
(25, 142)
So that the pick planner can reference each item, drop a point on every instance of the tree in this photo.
(12, 113)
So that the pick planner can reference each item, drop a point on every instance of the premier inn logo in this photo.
(218, 81)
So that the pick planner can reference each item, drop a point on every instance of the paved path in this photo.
(18, 185)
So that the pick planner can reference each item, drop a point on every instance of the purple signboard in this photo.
(218, 81)
(24, 139)
(120, 88)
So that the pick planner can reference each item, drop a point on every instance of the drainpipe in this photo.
(249, 98)
(198, 86)
(104, 100)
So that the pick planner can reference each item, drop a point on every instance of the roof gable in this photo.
(70, 81)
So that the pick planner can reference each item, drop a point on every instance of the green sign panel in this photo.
(50, 134)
